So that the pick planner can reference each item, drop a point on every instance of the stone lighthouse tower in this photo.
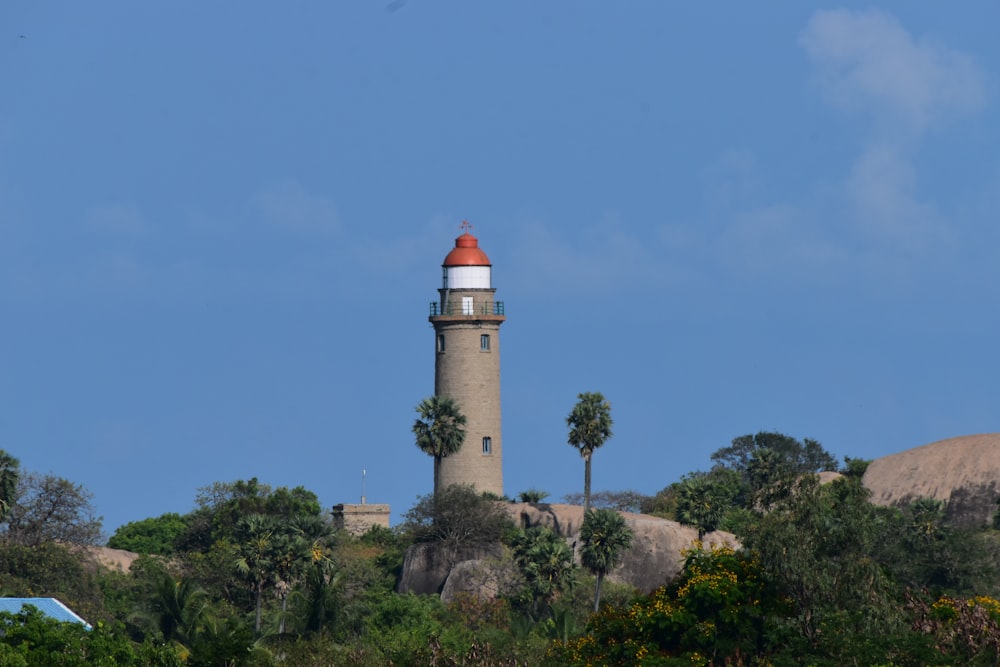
(466, 321)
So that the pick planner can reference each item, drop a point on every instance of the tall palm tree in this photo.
(8, 482)
(605, 536)
(440, 431)
(257, 558)
(589, 428)
(297, 546)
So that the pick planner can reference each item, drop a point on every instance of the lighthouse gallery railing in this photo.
(494, 308)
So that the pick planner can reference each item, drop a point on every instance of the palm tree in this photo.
(257, 558)
(178, 609)
(589, 428)
(700, 503)
(440, 431)
(297, 546)
(546, 563)
(8, 482)
(604, 536)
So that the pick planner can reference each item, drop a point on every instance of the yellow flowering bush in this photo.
(964, 628)
(712, 614)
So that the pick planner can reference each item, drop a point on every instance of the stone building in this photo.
(466, 319)
(358, 519)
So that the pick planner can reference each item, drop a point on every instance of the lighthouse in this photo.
(466, 320)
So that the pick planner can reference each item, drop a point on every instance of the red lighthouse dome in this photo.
(466, 252)
(467, 266)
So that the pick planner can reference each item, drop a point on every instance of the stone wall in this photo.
(358, 519)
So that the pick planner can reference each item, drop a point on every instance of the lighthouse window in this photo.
(440, 342)
(484, 342)
(487, 445)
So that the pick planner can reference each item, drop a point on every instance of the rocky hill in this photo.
(964, 472)
(655, 557)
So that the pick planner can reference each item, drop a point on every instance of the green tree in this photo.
(532, 496)
(155, 535)
(258, 555)
(546, 563)
(315, 603)
(222, 505)
(30, 639)
(703, 500)
(604, 536)
(854, 467)
(177, 609)
(439, 431)
(927, 552)
(589, 428)
(50, 569)
(821, 546)
(801, 457)
(9, 473)
(298, 548)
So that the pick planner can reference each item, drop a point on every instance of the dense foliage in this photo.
(256, 576)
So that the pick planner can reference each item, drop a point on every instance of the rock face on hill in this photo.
(964, 472)
(654, 558)
(427, 566)
(657, 544)
(112, 559)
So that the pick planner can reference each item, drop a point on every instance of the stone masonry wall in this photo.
(470, 375)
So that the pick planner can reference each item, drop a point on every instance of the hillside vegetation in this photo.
(255, 575)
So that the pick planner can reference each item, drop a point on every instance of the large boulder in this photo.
(486, 579)
(658, 545)
(655, 557)
(657, 552)
(427, 565)
(964, 472)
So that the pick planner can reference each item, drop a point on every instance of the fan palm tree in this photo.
(605, 536)
(546, 563)
(178, 609)
(589, 428)
(701, 503)
(8, 482)
(440, 431)
(258, 557)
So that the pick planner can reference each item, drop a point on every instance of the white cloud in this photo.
(290, 205)
(867, 62)
(779, 240)
(881, 191)
(597, 259)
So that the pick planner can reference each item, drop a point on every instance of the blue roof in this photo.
(50, 607)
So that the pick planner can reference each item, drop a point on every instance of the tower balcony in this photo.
(471, 311)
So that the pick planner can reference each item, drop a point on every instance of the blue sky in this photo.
(221, 225)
